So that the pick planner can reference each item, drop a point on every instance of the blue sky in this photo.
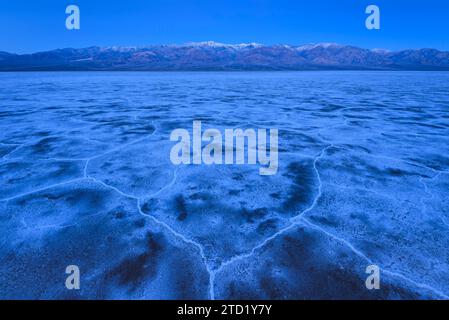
(29, 26)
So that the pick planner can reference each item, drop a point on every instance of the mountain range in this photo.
(213, 56)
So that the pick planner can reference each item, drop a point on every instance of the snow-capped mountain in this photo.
(212, 55)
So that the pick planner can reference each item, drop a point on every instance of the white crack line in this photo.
(85, 176)
(62, 226)
(130, 196)
(411, 163)
(43, 189)
(183, 238)
(301, 220)
(179, 235)
(168, 186)
(118, 148)
(431, 196)
(381, 156)
(166, 226)
(163, 224)
(7, 156)
(287, 228)
(306, 222)
(30, 143)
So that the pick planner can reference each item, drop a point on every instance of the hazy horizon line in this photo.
(218, 44)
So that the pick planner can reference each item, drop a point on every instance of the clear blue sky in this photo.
(29, 26)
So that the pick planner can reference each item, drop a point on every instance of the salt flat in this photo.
(86, 179)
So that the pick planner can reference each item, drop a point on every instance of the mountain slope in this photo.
(218, 56)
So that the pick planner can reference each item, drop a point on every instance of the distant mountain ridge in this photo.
(205, 56)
